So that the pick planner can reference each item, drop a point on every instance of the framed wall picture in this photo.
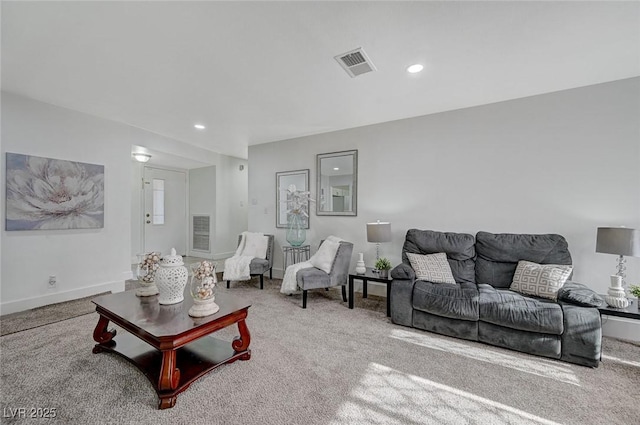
(286, 182)
(53, 194)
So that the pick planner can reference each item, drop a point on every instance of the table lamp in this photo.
(377, 233)
(620, 241)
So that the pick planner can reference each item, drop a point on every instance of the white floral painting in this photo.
(50, 194)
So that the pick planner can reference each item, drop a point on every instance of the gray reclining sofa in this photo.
(480, 307)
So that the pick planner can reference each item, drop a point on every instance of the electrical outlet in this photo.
(52, 281)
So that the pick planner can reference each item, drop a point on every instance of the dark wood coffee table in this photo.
(171, 348)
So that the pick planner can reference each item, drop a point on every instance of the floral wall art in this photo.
(50, 194)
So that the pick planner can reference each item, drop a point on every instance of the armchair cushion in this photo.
(323, 259)
(255, 245)
(579, 294)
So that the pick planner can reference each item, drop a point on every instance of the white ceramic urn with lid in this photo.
(171, 279)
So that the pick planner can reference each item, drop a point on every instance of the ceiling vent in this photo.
(355, 62)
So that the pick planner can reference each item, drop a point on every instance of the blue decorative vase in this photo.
(296, 233)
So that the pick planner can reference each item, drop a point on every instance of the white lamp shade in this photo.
(618, 241)
(379, 232)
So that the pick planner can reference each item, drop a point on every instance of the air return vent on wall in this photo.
(201, 233)
(355, 62)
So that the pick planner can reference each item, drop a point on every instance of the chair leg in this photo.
(344, 294)
(228, 284)
(271, 273)
(261, 281)
(304, 298)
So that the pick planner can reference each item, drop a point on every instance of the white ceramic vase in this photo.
(360, 267)
(616, 296)
(171, 279)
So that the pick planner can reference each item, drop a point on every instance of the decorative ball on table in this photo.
(203, 282)
(146, 273)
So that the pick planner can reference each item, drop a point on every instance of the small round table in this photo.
(298, 254)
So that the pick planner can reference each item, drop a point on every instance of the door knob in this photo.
(148, 221)
(148, 215)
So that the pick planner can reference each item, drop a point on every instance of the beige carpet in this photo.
(323, 365)
(16, 322)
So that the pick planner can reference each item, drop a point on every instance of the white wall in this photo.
(202, 201)
(565, 162)
(87, 261)
(231, 204)
(228, 187)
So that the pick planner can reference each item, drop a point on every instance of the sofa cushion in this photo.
(516, 311)
(459, 247)
(431, 267)
(453, 301)
(541, 280)
(498, 255)
(579, 294)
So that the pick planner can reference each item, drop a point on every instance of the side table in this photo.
(298, 254)
(370, 275)
(631, 312)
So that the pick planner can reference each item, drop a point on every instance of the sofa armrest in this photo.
(579, 294)
(403, 271)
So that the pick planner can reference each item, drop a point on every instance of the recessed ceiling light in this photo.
(415, 68)
(335, 169)
(199, 126)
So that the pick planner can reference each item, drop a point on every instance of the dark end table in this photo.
(630, 312)
(374, 276)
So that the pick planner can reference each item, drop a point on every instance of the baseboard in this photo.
(200, 254)
(621, 327)
(58, 297)
(223, 255)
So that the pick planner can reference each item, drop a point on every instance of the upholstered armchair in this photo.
(315, 278)
(259, 266)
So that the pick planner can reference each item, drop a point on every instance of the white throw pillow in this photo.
(541, 280)
(255, 245)
(323, 259)
(432, 267)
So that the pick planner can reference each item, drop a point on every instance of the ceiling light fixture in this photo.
(199, 126)
(141, 157)
(336, 169)
(415, 68)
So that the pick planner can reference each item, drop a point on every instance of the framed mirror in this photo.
(284, 179)
(337, 188)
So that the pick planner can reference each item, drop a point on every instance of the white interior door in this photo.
(165, 210)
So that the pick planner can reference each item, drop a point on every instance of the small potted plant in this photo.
(635, 291)
(383, 265)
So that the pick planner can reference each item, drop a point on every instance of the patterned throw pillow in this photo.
(541, 280)
(432, 267)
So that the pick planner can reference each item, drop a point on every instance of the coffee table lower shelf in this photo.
(192, 360)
